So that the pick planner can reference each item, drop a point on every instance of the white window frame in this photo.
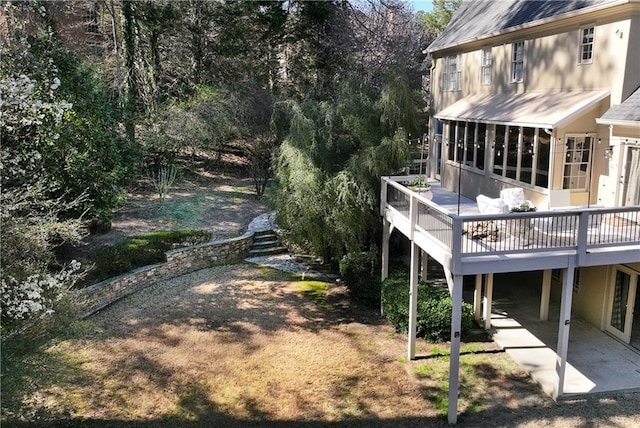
(452, 73)
(586, 46)
(486, 63)
(517, 62)
(574, 162)
(499, 157)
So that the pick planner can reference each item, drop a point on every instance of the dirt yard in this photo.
(240, 345)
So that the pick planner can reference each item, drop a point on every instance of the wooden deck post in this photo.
(545, 295)
(563, 330)
(386, 234)
(454, 358)
(413, 300)
(488, 301)
(477, 299)
(424, 265)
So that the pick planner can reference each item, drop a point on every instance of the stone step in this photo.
(255, 252)
(263, 232)
(266, 243)
(262, 238)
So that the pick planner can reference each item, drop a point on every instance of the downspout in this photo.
(433, 159)
(552, 158)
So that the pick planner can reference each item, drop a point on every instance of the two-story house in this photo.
(542, 96)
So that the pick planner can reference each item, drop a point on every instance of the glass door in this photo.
(631, 182)
(621, 304)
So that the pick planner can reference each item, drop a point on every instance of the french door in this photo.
(622, 297)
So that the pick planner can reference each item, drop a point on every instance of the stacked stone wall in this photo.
(179, 261)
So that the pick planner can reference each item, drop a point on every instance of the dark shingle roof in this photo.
(628, 111)
(478, 19)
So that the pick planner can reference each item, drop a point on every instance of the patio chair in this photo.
(488, 205)
(514, 197)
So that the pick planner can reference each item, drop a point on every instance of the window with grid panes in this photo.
(577, 162)
(485, 68)
(451, 73)
(586, 45)
(517, 61)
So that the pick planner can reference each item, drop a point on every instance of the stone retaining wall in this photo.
(179, 261)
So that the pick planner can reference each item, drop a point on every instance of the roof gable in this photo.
(627, 111)
(478, 19)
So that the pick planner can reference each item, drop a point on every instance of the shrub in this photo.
(138, 251)
(434, 309)
(361, 273)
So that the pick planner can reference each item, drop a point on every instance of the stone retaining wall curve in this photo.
(99, 296)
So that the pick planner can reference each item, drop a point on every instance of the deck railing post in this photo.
(583, 227)
(456, 243)
(383, 195)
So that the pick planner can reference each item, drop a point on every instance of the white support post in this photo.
(563, 329)
(424, 265)
(386, 234)
(413, 301)
(477, 299)
(454, 357)
(488, 301)
(545, 295)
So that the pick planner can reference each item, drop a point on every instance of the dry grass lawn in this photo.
(242, 345)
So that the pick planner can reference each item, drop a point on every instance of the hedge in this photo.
(434, 309)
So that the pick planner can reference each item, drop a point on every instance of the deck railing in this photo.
(541, 231)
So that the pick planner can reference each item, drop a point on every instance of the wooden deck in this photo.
(471, 243)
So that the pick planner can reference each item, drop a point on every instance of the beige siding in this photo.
(589, 301)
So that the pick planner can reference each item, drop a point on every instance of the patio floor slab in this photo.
(596, 362)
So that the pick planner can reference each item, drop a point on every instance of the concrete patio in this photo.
(596, 362)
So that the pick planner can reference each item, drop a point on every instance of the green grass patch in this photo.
(423, 370)
(270, 274)
(472, 348)
(187, 213)
(315, 290)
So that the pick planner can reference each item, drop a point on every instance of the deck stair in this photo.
(265, 243)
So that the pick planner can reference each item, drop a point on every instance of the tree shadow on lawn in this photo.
(236, 305)
(231, 298)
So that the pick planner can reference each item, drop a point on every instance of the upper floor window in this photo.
(517, 61)
(485, 69)
(586, 45)
(451, 73)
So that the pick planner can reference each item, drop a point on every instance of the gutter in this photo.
(532, 24)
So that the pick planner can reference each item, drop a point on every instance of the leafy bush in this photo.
(434, 309)
(361, 273)
(138, 251)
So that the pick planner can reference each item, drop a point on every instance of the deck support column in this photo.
(477, 299)
(386, 234)
(488, 302)
(454, 358)
(545, 295)
(387, 229)
(424, 264)
(563, 330)
(413, 300)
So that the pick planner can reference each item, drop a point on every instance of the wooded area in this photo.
(326, 95)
